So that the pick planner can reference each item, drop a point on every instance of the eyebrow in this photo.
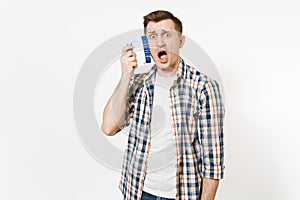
(162, 30)
(151, 32)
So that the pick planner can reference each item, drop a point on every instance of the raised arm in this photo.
(114, 111)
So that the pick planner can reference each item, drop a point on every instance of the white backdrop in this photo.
(255, 46)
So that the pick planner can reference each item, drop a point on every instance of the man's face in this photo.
(164, 42)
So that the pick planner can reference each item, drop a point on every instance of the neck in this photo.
(166, 72)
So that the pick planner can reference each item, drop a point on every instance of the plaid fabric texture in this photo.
(197, 121)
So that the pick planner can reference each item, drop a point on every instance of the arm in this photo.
(114, 111)
(209, 188)
(211, 136)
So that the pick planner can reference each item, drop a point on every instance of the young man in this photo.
(192, 135)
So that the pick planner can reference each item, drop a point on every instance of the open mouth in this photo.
(163, 56)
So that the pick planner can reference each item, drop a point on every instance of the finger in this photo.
(134, 65)
(129, 54)
(127, 48)
(132, 59)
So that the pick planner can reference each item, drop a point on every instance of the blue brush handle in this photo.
(146, 49)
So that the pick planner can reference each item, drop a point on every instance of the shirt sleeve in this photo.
(129, 104)
(211, 131)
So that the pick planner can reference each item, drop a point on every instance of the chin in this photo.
(162, 65)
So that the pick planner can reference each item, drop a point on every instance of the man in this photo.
(193, 133)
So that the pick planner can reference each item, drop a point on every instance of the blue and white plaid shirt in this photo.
(197, 122)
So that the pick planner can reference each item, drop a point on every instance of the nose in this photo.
(160, 42)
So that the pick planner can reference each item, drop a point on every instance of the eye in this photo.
(168, 34)
(152, 36)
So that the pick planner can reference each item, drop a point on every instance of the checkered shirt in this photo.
(197, 123)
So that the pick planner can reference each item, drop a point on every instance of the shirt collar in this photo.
(181, 72)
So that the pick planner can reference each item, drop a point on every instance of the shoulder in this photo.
(202, 84)
(197, 78)
(138, 80)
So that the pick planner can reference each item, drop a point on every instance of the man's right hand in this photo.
(128, 60)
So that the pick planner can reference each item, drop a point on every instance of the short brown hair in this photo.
(160, 15)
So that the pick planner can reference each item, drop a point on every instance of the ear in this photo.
(181, 41)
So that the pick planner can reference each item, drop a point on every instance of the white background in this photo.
(254, 44)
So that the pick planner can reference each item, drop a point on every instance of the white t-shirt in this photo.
(160, 178)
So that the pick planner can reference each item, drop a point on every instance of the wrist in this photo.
(127, 75)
